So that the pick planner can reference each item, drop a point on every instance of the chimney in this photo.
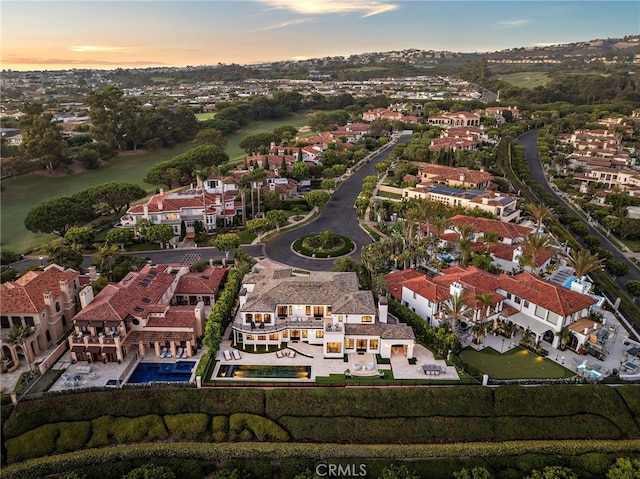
(162, 191)
(200, 319)
(145, 211)
(242, 297)
(485, 201)
(383, 309)
(462, 177)
(93, 275)
(160, 205)
(48, 299)
(66, 289)
(586, 331)
(86, 296)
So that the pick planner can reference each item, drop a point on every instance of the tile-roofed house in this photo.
(452, 176)
(211, 204)
(162, 307)
(45, 300)
(524, 299)
(323, 308)
(507, 233)
(459, 118)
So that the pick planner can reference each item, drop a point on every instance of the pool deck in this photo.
(358, 364)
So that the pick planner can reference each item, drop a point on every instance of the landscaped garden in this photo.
(517, 363)
(323, 245)
(504, 424)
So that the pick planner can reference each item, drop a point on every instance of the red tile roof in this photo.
(207, 282)
(486, 225)
(25, 295)
(394, 280)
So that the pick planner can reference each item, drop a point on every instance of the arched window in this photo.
(64, 321)
(57, 306)
(48, 336)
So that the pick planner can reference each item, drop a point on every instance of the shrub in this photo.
(101, 431)
(38, 442)
(137, 429)
(187, 426)
(220, 428)
(596, 463)
(73, 436)
(257, 426)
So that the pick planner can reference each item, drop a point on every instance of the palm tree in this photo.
(103, 256)
(527, 338)
(479, 330)
(487, 302)
(464, 242)
(534, 245)
(489, 237)
(540, 213)
(564, 335)
(583, 262)
(455, 308)
(18, 336)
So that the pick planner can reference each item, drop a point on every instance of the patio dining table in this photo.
(431, 369)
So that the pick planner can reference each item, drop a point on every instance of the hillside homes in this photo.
(323, 308)
(526, 300)
(160, 310)
(451, 176)
(386, 114)
(45, 300)
(459, 118)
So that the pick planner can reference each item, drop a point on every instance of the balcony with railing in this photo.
(280, 324)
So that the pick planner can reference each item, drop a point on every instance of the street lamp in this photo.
(502, 347)
(562, 359)
(41, 260)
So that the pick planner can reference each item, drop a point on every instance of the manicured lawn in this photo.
(236, 154)
(515, 364)
(205, 116)
(526, 79)
(21, 194)
(633, 245)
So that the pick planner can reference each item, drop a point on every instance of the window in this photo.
(414, 295)
(273, 337)
(193, 300)
(361, 344)
(553, 318)
(348, 343)
(373, 344)
(517, 299)
(540, 312)
(334, 347)
(57, 306)
(318, 311)
(304, 333)
(250, 337)
(28, 321)
(266, 318)
(320, 334)
(508, 295)
(207, 300)
(328, 311)
(285, 334)
(257, 318)
(48, 335)
(4, 322)
(307, 310)
(282, 310)
(16, 320)
(367, 319)
(340, 318)
(526, 304)
(262, 337)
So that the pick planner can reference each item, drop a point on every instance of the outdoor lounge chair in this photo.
(179, 353)
(185, 354)
(292, 354)
(369, 366)
(165, 353)
(279, 354)
(236, 354)
(357, 367)
(227, 355)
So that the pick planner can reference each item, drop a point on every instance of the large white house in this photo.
(524, 299)
(323, 308)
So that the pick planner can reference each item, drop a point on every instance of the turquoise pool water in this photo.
(569, 281)
(247, 371)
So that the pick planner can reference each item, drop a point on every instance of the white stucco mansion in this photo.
(322, 308)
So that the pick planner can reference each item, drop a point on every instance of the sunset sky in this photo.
(55, 35)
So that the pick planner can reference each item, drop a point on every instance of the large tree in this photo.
(583, 262)
(210, 136)
(317, 198)
(160, 233)
(57, 215)
(116, 195)
(42, 138)
(18, 335)
(226, 243)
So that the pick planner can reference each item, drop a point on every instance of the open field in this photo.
(205, 116)
(526, 79)
(515, 364)
(21, 194)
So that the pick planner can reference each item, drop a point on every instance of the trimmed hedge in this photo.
(220, 428)
(250, 426)
(187, 426)
(73, 436)
(279, 451)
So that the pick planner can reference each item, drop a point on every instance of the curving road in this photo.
(529, 142)
(338, 216)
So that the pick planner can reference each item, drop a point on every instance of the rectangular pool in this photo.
(246, 371)
(162, 372)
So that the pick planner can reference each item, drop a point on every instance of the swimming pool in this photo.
(162, 372)
(246, 371)
(569, 282)
(591, 372)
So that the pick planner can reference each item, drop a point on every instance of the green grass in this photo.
(515, 364)
(387, 194)
(21, 194)
(205, 116)
(526, 79)
(236, 154)
(633, 245)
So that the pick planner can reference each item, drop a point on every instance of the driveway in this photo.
(338, 216)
